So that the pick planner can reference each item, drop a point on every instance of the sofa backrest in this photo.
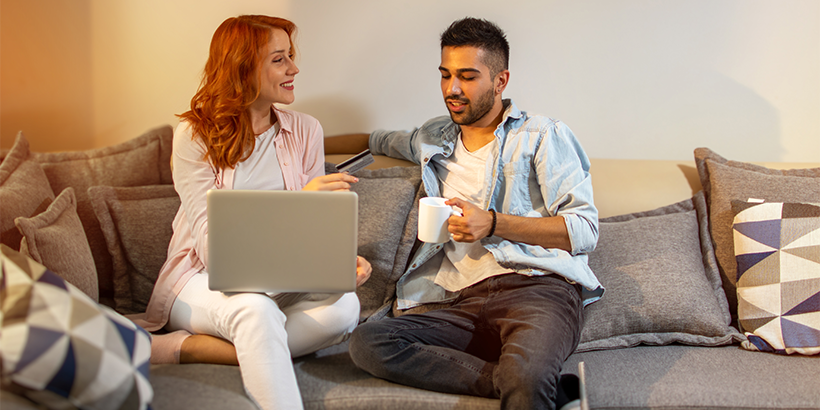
(141, 161)
(623, 186)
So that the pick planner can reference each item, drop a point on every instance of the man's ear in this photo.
(501, 80)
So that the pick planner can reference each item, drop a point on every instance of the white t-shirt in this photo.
(462, 175)
(261, 170)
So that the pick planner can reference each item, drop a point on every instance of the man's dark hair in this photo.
(480, 33)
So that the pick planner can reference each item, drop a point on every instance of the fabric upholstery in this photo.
(691, 377)
(24, 190)
(12, 401)
(55, 239)
(388, 208)
(662, 282)
(137, 225)
(61, 348)
(330, 381)
(144, 160)
(777, 249)
(199, 386)
(724, 180)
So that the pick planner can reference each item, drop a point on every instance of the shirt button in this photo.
(286, 164)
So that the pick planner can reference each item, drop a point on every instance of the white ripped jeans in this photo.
(266, 336)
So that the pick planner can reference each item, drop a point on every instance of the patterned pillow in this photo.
(777, 249)
(61, 348)
(724, 180)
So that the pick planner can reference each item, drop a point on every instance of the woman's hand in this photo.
(331, 182)
(363, 270)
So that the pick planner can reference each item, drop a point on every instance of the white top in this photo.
(462, 175)
(261, 170)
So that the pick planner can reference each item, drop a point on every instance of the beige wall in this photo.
(640, 79)
(45, 73)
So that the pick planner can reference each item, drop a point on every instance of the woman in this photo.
(235, 138)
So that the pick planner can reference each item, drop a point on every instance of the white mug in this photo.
(433, 216)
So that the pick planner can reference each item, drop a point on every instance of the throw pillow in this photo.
(61, 348)
(144, 160)
(24, 190)
(388, 212)
(662, 282)
(777, 249)
(724, 180)
(55, 238)
(137, 225)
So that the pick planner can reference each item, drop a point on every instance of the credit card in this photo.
(356, 162)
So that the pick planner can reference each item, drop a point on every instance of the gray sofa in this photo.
(664, 335)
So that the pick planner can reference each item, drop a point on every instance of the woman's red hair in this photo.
(230, 84)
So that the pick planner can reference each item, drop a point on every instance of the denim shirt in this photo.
(538, 170)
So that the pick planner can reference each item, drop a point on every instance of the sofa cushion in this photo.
(199, 386)
(388, 208)
(144, 160)
(724, 180)
(777, 249)
(690, 377)
(137, 223)
(55, 239)
(662, 282)
(11, 401)
(24, 190)
(329, 380)
(61, 348)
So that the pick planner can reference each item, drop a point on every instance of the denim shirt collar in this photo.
(451, 132)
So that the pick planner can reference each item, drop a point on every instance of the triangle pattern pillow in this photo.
(61, 349)
(777, 249)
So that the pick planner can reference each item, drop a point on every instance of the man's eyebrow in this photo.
(461, 70)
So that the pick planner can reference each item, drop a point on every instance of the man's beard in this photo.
(475, 111)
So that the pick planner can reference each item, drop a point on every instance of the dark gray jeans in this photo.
(505, 337)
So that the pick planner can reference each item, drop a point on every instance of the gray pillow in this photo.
(137, 225)
(662, 282)
(24, 190)
(144, 160)
(387, 230)
(724, 181)
(56, 240)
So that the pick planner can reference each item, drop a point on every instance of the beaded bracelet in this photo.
(492, 230)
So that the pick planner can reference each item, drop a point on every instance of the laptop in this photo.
(282, 241)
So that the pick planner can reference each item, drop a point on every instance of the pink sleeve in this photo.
(193, 177)
(314, 162)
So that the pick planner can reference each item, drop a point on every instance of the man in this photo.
(516, 269)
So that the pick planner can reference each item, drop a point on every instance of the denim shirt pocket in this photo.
(516, 188)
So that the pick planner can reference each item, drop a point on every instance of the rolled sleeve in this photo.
(395, 144)
(583, 236)
(567, 188)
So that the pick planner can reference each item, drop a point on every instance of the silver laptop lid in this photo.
(282, 241)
